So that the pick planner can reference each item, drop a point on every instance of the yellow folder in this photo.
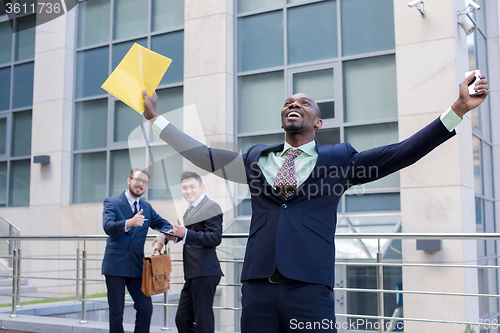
(140, 69)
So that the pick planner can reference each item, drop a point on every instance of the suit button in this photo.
(284, 206)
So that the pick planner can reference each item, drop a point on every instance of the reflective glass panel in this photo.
(172, 46)
(370, 89)
(165, 173)
(6, 42)
(19, 183)
(479, 213)
(126, 121)
(367, 26)
(329, 136)
(4, 88)
(167, 14)
(312, 32)
(91, 124)
(476, 155)
(372, 202)
(25, 38)
(3, 183)
(21, 134)
(260, 102)
(319, 85)
(93, 22)
(260, 41)
(487, 170)
(169, 100)
(91, 71)
(3, 135)
(130, 18)
(252, 5)
(371, 136)
(121, 49)
(22, 90)
(121, 164)
(269, 139)
(89, 177)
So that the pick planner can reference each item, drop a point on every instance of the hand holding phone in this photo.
(472, 91)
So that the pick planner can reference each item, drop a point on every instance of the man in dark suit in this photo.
(288, 272)
(126, 221)
(201, 233)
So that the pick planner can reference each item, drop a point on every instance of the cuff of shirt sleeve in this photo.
(185, 236)
(159, 124)
(450, 119)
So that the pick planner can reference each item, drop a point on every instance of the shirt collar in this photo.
(309, 148)
(131, 199)
(194, 204)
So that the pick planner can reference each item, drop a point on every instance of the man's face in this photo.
(300, 113)
(138, 184)
(191, 189)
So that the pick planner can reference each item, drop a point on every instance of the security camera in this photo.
(415, 3)
(474, 5)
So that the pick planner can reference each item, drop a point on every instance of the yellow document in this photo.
(140, 69)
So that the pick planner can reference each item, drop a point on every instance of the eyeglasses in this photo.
(141, 181)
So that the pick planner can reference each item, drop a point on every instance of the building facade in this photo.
(378, 69)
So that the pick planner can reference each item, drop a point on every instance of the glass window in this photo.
(130, 18)
(319, 85)
(22, 90)
(260, 41)
(89, 177)
(91, 124)
(253, 5)
(172, 46)
(121, 166)
(126, 121)
(367, 26)
(260, 98)
(487, 170)
(167, 14)
(93, 19)
(3, 9)
(269, 139)
(19, 183)
(372, 202)
(166, 169)
(479, 213)
(476, 155)
(489, 221)
(121, 49)
(328, 136)
(371, 136)
(312, 32)
(21, 134)
(3, 184)
(91, 71)
(6, 42)
(3, 135)
(370, 90)
(25, 38)
(4, 88)
(169, 100)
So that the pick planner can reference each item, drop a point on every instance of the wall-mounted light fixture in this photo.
(419, 4)
(464, 20)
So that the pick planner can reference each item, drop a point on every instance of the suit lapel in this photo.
(127, 211)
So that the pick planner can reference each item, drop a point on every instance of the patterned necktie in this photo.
(286, 181)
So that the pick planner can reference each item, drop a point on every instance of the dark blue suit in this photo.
(123, 257)
(297, 236)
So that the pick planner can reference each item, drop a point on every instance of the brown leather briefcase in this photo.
(156, 274)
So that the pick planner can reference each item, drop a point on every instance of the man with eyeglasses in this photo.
(126, 221)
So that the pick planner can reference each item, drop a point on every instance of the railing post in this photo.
(18, 280)
(380, 287)
(77, 273)
(14, 283)
(165, 298)
(84, 285)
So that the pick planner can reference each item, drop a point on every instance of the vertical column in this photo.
(437, 193)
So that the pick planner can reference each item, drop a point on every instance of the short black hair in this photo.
(190, 174)
(144, 171)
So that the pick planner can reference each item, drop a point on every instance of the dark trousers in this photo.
(195, 305)
(287, 307)
(116, 300)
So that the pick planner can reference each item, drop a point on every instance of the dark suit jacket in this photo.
(297, 235)
(205, 233)
(125, 250)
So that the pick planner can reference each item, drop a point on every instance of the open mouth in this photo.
(294, 114)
